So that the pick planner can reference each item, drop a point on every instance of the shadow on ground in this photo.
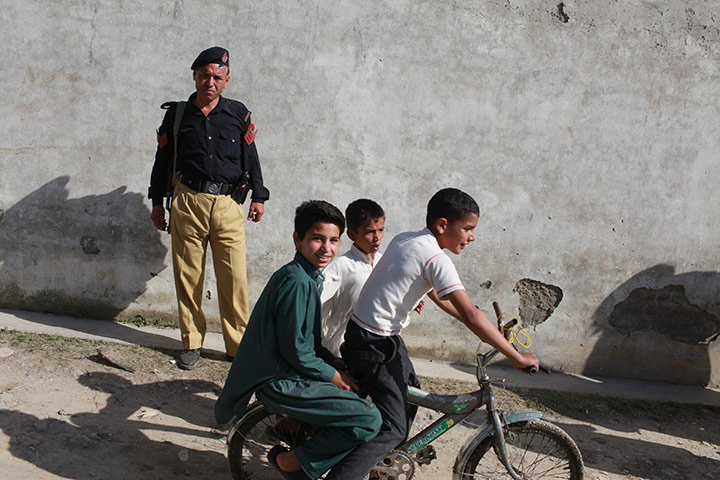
(127, 437)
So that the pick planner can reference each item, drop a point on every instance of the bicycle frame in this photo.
(258, 434)
(458, 407)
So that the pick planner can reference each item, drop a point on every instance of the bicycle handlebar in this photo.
(505, 330)
(482, 359)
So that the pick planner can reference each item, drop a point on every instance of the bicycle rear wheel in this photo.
(255, 436)
(536, 449)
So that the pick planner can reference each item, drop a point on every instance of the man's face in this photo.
(210, 81)
(456, 235)
(320, 243)
(368, 236)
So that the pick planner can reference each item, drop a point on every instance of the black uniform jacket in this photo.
(209, 147)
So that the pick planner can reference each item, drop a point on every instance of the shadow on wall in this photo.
(90, 256)
(658, 326)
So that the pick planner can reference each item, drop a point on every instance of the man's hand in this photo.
(158, 217)
(345, 381)
(256, 212)
(420, 307)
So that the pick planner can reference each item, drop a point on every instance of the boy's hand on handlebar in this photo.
(345, 381)
(526, 363)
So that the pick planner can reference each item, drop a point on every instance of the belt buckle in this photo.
(213, 188)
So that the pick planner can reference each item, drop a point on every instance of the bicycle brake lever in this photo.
(499, 383)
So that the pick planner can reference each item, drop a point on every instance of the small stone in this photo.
(183, 455)
(148, 413)
(33, 454)
(41, 426)
(5, 352)
(81, 441)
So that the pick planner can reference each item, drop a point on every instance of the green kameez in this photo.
(281, 359)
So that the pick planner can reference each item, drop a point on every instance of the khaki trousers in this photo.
(196, 219)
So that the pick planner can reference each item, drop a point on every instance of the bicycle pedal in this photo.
(426, 455)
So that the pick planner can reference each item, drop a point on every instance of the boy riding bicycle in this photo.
(413, 265)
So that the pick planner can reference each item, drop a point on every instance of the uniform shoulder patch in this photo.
(250, 134)
(162, 140)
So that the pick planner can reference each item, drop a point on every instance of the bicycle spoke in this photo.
(536, 450)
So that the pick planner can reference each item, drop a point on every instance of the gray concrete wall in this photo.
(587, 131)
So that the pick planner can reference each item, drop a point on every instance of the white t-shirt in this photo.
(412, 265)
(344, 278)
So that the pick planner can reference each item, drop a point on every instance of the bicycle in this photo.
(523, 446)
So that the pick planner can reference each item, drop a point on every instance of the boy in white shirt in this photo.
(346, 275)
(413, 265)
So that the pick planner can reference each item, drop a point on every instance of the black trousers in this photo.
(383, 367)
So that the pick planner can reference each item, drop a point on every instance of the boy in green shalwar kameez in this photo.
(282, 361)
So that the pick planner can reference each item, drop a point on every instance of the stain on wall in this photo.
(89, 245)
(537, 301)
(667, 311)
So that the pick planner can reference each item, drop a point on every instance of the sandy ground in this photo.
(67, 413)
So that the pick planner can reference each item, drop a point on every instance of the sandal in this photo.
(272, 458)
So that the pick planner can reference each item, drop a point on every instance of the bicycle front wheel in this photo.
(536, 450)
(257, 432)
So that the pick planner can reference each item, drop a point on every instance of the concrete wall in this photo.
(586, 130)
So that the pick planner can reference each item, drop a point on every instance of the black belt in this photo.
(206, 186)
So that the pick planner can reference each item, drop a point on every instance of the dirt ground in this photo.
(68, 412)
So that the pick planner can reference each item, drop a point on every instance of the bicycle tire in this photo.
(249, 446)
(536, 450)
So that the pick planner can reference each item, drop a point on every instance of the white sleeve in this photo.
(331, 282)
(441, 274)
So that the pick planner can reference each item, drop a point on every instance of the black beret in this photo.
(212, 55)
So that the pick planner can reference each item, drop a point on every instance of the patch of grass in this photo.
(144, 321)
(150, 364)
(42, 341)
(444, 386)
(598, 407)
(574, 405)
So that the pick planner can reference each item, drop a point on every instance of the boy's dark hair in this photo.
(361, 210)
(452, 204)
(313, 211)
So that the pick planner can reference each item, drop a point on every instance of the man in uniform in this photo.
(211, 164)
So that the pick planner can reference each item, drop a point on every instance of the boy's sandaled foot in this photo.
(272, 458)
